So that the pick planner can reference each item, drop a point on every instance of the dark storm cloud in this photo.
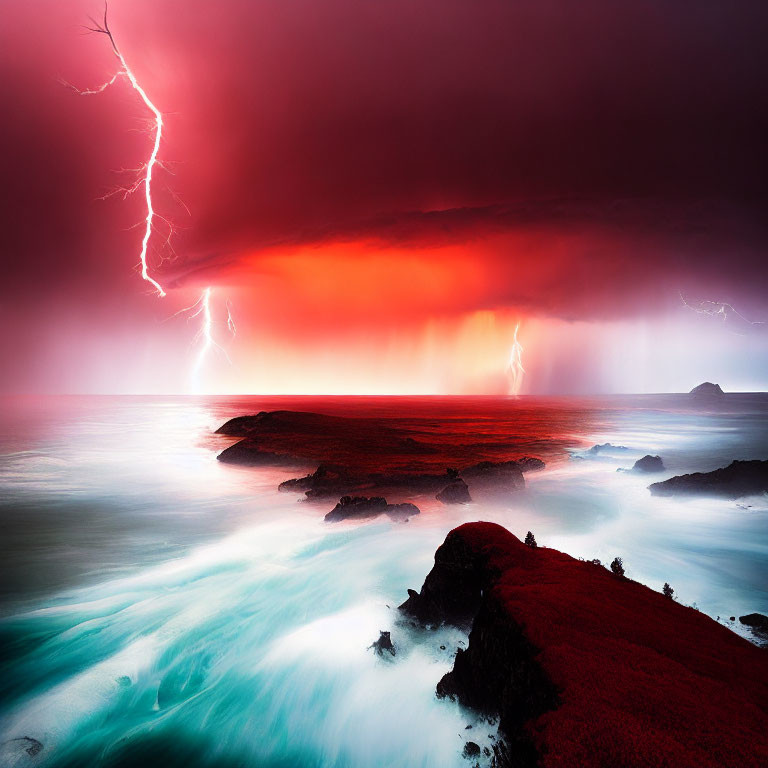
(639, 124)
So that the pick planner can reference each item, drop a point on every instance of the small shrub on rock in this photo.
(617, 566)
(668, 591)
(530, 540)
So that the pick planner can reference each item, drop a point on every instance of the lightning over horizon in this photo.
(515, 367)
(722, 310)
(202, 307)
(148, 167)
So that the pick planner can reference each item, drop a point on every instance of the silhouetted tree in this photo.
(617, 566)
(530, 540)
(667, 590)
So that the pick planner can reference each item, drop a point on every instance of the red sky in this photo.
(383, 189)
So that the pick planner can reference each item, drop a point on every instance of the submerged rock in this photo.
(456, 492)
(17, 751)
(504, 476)
(649, 464)
(363, 507)
(707, 389)
(578, 679)
(383, 644)
(249, 453)
(739, 478)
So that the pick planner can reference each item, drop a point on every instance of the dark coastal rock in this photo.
(505, 476)
(326, 480)
(649, 464)
(239, 426)
(332, 480)
(583, 669)
(739, 478)
(248, 453)
(471, 750)
(383, 644)
(456, 492)
(755, 621)
(280, 422)
(454, 587)
(530, 464)
(707, 389)
(363, 507)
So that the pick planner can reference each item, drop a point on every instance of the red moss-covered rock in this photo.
(587, 669)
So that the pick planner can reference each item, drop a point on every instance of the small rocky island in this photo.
(584, 667)
(707, 390)
(648, 464)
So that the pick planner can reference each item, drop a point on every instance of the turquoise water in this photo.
(161, 608)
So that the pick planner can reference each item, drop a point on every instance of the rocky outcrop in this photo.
(488, 476)
(498, 675)
(649, 464)
(494, 476)
(383, 644)
(758, 623)
(707, 389)
(755, 621)
(456, 492)
(363, 454)
(249, 453)
(739, 478)
(361, 507)
(327, 480)
(586, 669)
(530, 464)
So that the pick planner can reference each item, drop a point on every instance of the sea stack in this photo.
(707, 389)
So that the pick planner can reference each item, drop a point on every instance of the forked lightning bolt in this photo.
(722, 310)
(125, 71)
(202, 307)
(515, 368)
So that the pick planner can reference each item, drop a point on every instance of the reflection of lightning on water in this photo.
(722, 310)
(515, 368)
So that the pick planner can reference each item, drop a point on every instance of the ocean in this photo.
(160, 607)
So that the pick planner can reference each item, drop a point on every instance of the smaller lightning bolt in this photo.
(202, 309)
(515, 368)
(230, 321)
(719, 309)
